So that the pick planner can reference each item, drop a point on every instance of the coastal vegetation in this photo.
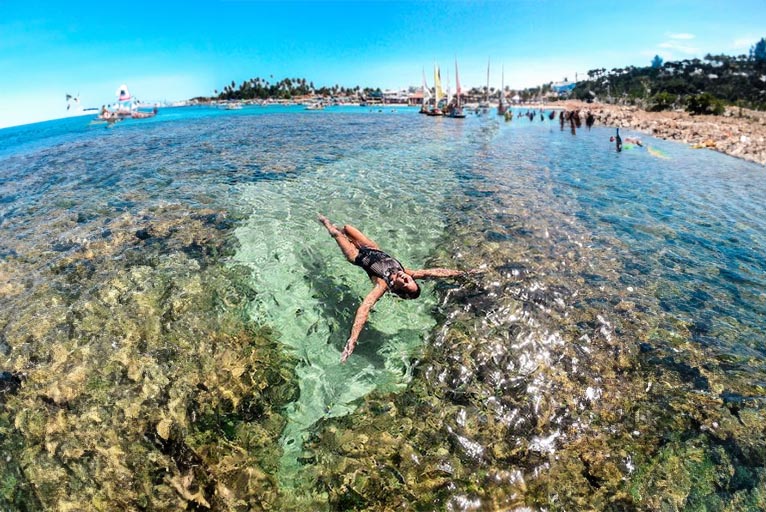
(700, 86)
(288, 88)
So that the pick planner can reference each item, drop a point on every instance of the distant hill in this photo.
(698, 86)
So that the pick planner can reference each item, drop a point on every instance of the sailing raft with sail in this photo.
(435, 110)
(456, 110)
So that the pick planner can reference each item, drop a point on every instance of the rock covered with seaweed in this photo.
(144, 387)
(558, 379)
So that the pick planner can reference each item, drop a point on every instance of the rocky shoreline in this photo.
(739, 133)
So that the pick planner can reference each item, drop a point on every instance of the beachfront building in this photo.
(415, 98)
(391, 96)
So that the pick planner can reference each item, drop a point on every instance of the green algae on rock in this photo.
(550, 384)
(145, 387)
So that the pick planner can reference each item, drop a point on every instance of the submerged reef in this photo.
(144, 388)
(552, 384)
(570, 374)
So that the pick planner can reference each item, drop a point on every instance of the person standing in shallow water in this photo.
(386, 273)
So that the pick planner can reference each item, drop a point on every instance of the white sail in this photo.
(449, 90)
(502, 86)
(487, 96)
(426, 91)
(501, 108)
(485, 104)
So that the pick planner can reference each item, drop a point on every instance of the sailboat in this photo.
(436, 111)
(457, 110)
(485, 104)
(125, 107)
(501, 108)
(426, 95)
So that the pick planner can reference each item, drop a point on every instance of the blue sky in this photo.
(170, 50)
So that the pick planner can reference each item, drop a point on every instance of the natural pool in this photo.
(174, 315)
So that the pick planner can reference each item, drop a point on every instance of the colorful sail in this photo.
(458, 90)
(437, 86)
(122, 93)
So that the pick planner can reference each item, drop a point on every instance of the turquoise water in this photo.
(606, 278)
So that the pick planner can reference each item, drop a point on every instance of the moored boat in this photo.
(125, 108)
(315, 106)
(484, 106)
(501, 107)
(456, 110)
(435, 110)
(426, 95)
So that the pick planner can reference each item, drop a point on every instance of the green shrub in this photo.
(662, 101)
(704, 103)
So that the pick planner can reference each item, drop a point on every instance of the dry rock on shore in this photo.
(739, 133)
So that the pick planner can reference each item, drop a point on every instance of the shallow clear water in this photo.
(604, 274)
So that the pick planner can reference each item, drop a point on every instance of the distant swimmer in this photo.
(617, 140)
(589, 120)
(386, 273)
(634, 140)
(108, 116)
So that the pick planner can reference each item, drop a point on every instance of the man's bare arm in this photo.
(362, 313)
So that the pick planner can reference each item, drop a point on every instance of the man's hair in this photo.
(406, 294)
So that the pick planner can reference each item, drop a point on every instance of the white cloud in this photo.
(744, 43)
(677, 43)
(683, 36)
(678, 47)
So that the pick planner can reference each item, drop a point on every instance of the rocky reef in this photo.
(551, 385)
(142, 387)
